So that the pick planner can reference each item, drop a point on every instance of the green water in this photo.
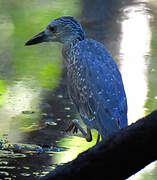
(34, 106)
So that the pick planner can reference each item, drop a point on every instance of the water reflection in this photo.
(135, 54)
(33, 99)
(135, 51)
(17, 99)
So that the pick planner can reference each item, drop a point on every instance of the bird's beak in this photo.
(39, 38)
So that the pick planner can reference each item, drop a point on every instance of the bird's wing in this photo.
(96, 86)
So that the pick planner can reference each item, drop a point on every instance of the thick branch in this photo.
(122, 155)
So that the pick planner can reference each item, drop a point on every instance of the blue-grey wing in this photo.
(96, 87)
(108, 91)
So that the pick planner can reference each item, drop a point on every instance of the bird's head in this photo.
(61, 30)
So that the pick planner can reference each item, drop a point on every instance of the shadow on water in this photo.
(34, 106)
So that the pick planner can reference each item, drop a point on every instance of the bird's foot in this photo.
(72, 127)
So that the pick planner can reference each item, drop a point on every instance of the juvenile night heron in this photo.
(94, 81)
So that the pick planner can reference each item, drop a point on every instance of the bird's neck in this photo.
(68, 46)
(71, 42)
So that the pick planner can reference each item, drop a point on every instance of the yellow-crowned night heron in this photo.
(94, 81)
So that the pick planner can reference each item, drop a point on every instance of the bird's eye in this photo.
(52, 29)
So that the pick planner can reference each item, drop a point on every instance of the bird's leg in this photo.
(75, 126)
(72, 126)
(88, 135)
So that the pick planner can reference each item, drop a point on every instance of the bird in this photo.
(94, 82)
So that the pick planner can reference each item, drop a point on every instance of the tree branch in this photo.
(122, 155)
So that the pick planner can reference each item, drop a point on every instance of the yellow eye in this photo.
(52, 29)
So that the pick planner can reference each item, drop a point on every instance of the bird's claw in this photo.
(72, 127)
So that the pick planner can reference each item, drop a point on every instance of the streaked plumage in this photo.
(94, 81)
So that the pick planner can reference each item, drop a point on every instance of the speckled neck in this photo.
(67, 48)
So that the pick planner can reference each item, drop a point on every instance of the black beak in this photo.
(39, 38)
